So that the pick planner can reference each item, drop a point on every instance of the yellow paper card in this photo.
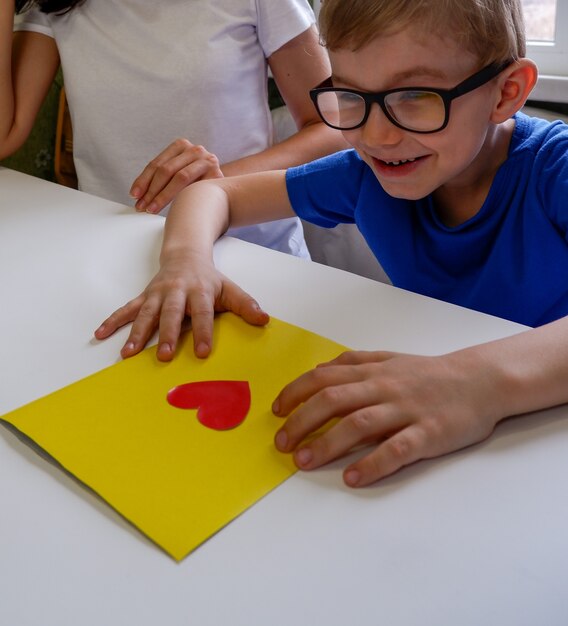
(175, 479)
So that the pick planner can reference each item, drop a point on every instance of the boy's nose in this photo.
(379, 130)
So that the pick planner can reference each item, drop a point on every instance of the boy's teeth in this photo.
(400, 162)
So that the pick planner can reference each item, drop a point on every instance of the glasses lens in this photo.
(417, 110)
(341, 109)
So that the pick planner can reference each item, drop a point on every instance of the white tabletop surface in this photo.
(479, 537)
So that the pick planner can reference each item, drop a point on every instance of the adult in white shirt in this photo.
(138, 74)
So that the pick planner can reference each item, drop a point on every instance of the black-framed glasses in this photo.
(417, 109)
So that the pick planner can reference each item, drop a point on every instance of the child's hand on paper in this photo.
(411, 407)
(181, 288)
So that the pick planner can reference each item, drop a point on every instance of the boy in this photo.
(459, 196)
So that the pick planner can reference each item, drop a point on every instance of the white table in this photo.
(475, 538)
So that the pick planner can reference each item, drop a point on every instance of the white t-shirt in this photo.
(140, 73)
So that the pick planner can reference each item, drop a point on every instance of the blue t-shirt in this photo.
(509, 260)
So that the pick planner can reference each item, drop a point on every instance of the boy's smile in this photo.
(456, 164)
(396, 168)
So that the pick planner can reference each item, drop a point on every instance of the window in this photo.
(547, 34)
(540, 17)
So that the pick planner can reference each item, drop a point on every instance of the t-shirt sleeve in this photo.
(279, 21)
(33, 20)
(551, 167)
(326, 192)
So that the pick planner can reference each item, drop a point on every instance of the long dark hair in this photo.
(48, 6)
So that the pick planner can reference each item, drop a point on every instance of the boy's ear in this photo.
(515, 85)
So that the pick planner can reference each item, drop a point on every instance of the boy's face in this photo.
(412, 165)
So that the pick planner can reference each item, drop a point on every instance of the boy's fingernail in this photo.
(202, 349)
(165, 348)
(153, 208)
(304, 457)
(135, 192)
(140, 205)
(276, 407)
(281, 440)
(352, 477)
(128, 347)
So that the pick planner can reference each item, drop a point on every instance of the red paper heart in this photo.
(220, 404)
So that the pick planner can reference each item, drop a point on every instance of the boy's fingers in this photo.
(122, 316)
(242, 304)
(202, 313)
(312, 382)
(368, 424)
(148, 311)
(143, 327)
(357, 357)
(328, 403)
(403, 448)
(172, 314)
(233, 299)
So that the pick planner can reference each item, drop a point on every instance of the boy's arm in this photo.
(188, 283)
(415, 407)
(28, 64)
(297, 66)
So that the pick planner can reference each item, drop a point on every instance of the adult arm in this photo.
(413, 407)
(297, 66)
(187, 283)
(28, 64)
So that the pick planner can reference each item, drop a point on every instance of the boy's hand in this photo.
(176, 167)
(412, 407)
(183, 289)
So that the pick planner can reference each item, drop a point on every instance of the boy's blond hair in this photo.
(493, 30)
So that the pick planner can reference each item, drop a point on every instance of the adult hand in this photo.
(180, 289)
(411, 407)
(176, 167)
